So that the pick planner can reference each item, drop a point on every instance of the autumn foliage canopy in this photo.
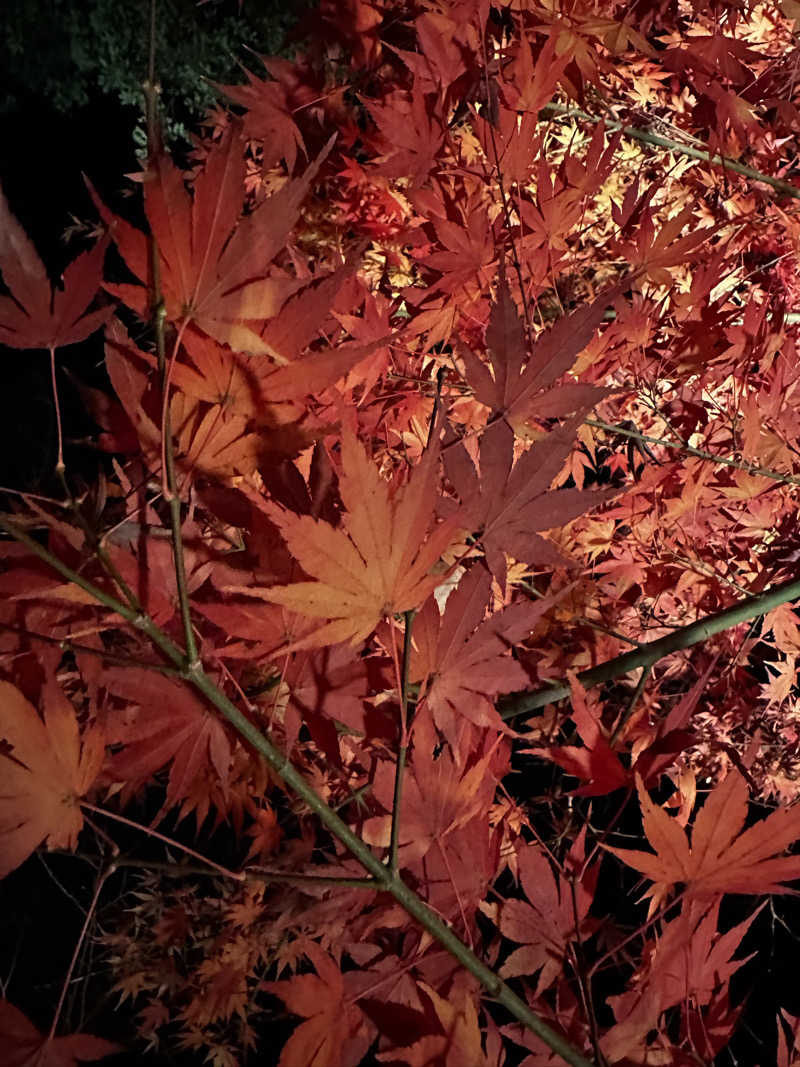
(427, 628)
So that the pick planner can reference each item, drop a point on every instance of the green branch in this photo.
(698, 453)
(648, 654)
(386, 880)
(636, 133)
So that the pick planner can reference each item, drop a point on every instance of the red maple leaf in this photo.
(164, 723)
(213, 267)
(269, 106)
(412, 136)
(507, 504)
(689, 965)
(596, 763)
(721, 858)
(514, 383)
(462, 658)
(549, 919)
(38, 314)
(24, 1046)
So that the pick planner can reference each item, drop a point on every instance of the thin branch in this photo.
(171, 484)
(652, 651)
(99, 883)
(76, 648)
(159, 314)
(394, 841)
(310, 879)
(636, 133)
(226, 872)
(698, 453)
(584, 980)
(249, 874)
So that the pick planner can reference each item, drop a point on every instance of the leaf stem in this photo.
(394, 842)
(57, 406)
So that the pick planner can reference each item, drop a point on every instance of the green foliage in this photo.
(66, 53)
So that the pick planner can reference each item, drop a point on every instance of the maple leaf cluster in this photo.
(471, 339)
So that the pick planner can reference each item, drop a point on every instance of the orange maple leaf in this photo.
(44, 774)
(372, 566)
(213, 266)
(330, 1017)
(720, 859)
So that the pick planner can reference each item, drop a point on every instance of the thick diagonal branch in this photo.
(385, 879)
(649, 653)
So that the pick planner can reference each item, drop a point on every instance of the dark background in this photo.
(70, 104)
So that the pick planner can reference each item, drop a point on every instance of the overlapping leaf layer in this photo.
(480, 370)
